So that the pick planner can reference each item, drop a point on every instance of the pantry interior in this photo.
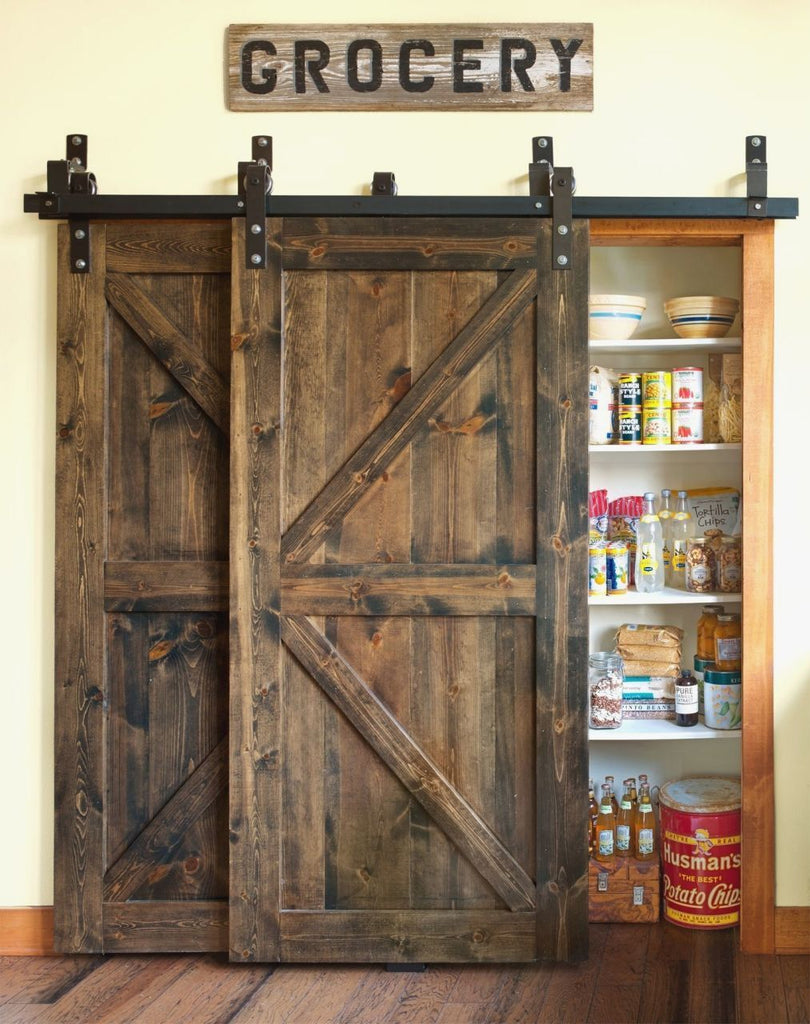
(660, 262)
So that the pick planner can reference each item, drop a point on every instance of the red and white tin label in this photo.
(701, 858)
(687, 384)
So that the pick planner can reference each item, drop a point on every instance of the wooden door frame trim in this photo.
(755, 241)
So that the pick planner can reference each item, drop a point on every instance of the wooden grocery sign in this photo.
(410, 67)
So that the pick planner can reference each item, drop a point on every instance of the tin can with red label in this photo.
(687, 423)
(687, 384)
(700, 852)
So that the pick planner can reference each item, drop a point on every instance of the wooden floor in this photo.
(643, 973)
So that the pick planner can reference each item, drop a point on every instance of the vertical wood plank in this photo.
(80, 551)
(255, 806)
(562, 611)
(757, 917)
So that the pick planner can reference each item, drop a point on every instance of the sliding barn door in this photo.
(142, 535)
(408, 610)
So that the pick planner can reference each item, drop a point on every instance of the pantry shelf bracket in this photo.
(383, 184)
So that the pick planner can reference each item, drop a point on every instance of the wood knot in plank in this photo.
(559, 726)
(357, 590)
(238, 340)
(479, 936)
(504, 581)
(317, 251)
(65, 430)
(559, 544)
(376, 639)
(257, 429)
(191, 864)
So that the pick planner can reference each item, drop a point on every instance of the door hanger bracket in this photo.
(542, 165)
(756, 175)
(562, 191)
(70, 176)
(255, 184)
(383, 184)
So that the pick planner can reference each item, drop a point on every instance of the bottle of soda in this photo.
(593, 814)
(605, 828)
(645, 825)
(679, 529)
(624, 823)
(649, 549)
(614, 803)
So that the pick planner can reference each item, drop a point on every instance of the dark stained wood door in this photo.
(408, 617)
(142, 470)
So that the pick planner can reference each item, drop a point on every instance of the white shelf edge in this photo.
(669, 595)
(665, 344)
(635, 730)
(623, 450)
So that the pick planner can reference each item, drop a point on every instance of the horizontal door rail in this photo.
(56, 206)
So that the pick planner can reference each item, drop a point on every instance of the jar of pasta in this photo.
(700, 574)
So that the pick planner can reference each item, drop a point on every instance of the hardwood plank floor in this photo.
(636, 973)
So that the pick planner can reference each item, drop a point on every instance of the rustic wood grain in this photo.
(562, 613)
(757, 824)
(80, 548)
(399, 589)
(255, 809)
(170, 926)
(169, 247)
(159, 841)
(140, 586)
(407, 243)
(414, 769)
(322, 517)
(482, 87)
(407, 936)
(172, 348)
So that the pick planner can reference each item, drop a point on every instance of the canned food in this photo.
(630, 419)
(618, 567)
(597, 570)
(687, 384)
(629, 389)
(656, 425)
(687, 423)
(656, 387)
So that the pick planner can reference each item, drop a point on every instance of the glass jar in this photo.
(729, 565)
(700, 572)
(705, 631)
(605, 680)
(728, 643)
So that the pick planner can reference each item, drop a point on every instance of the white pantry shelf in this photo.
(636, 729)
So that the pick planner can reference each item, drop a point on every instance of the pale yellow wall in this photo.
(678, 86)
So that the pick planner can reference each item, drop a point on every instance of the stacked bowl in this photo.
(701, 316)
(614, 317)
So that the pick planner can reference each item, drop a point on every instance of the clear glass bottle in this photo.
(644, 829)
(605, 829)
(624, 822)
(686, 699)
(665, 514)
(649, 549)
(679, 529)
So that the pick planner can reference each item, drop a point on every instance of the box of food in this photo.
(627, 890)
(714, 508)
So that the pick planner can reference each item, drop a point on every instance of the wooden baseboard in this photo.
(792, 927)
(26, 931)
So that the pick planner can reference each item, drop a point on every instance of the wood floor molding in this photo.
(792, 926)
(26, 931)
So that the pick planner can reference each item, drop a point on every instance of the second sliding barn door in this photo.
(408, 610)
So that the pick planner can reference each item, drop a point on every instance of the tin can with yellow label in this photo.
(656, 388)
(656, 426)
